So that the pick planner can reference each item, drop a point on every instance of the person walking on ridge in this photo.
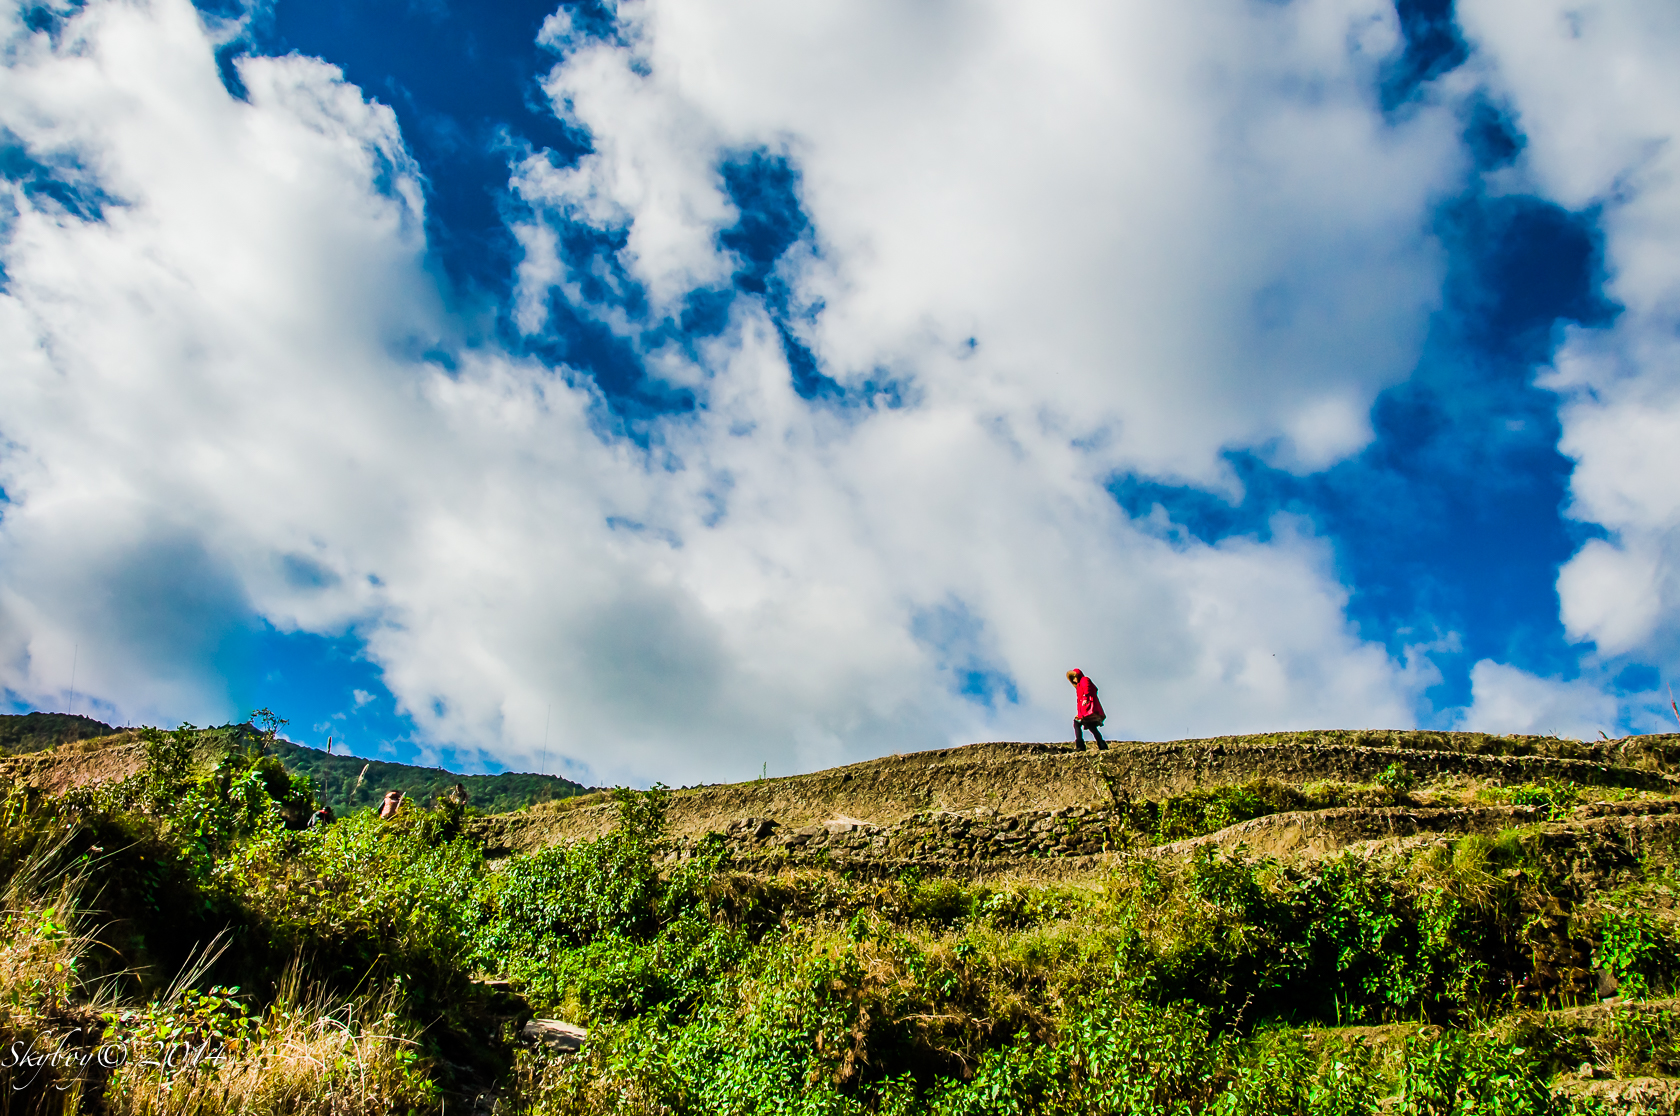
(1088, 714)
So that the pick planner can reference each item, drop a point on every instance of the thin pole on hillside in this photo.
(543, 770)
(75, 657)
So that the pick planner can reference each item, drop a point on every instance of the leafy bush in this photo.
(1458, 1073)
(1396, 777)
(1349, 941)
(602, 924)
(1556, 796)
(1640, 955)
(362, 899)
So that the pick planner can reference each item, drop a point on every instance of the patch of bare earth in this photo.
(79, 763)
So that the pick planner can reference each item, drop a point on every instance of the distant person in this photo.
(1088, 712)
(323, 816)
(393, 802)
(459, 795)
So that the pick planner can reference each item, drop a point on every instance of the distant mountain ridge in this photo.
(336, 778)
(31, 732)
(343, 782)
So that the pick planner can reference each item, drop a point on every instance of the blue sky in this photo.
(663, 390)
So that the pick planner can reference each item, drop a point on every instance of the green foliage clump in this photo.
(364, 899)
(1107, 1053)
(1636, 950)
(1458, 1073)
(1396, 777)
(1210, 809)
(193, 1023)
(169, 757)
(1205, 811)
(1348, 942)
(1557, 796)
(602, 925)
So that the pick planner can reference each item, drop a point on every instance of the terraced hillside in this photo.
(1323, 924)
(1319, 791)
(1523, 890)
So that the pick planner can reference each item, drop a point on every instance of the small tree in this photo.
(168, 763)
(270, 723)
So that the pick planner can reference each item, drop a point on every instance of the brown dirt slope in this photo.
(1014, 777)
(76, 763)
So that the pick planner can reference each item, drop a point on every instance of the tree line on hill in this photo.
(351, 782)
(34, 732)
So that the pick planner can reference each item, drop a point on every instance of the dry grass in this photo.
(306, 1056)
(91, 1052)
(49, 1014)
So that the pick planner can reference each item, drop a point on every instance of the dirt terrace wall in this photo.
(942, 835)
(1079, 831)
(1019, 778)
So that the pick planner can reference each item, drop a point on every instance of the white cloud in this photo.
(1168, 231)
(1508, 700)
(1185, 229)
(1594, 92)
(182, 374)
(1621, 424)
(1610, 594)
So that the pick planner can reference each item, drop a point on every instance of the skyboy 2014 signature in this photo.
(22, 1055)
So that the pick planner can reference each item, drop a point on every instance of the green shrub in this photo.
(1208, 810)
(1636, 951)
(1556, 797)
(1396, 777)
(1458, 1073)
(1645, 1041)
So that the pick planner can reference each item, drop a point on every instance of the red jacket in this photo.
(1089, 706)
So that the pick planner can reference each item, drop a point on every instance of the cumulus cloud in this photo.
(1508, 700)
(234, 396)
(187, 366)
(1593, 90)
(1170, 231)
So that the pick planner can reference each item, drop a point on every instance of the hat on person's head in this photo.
(1075, 674)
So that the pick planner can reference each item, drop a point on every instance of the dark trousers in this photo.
(1080, 724)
